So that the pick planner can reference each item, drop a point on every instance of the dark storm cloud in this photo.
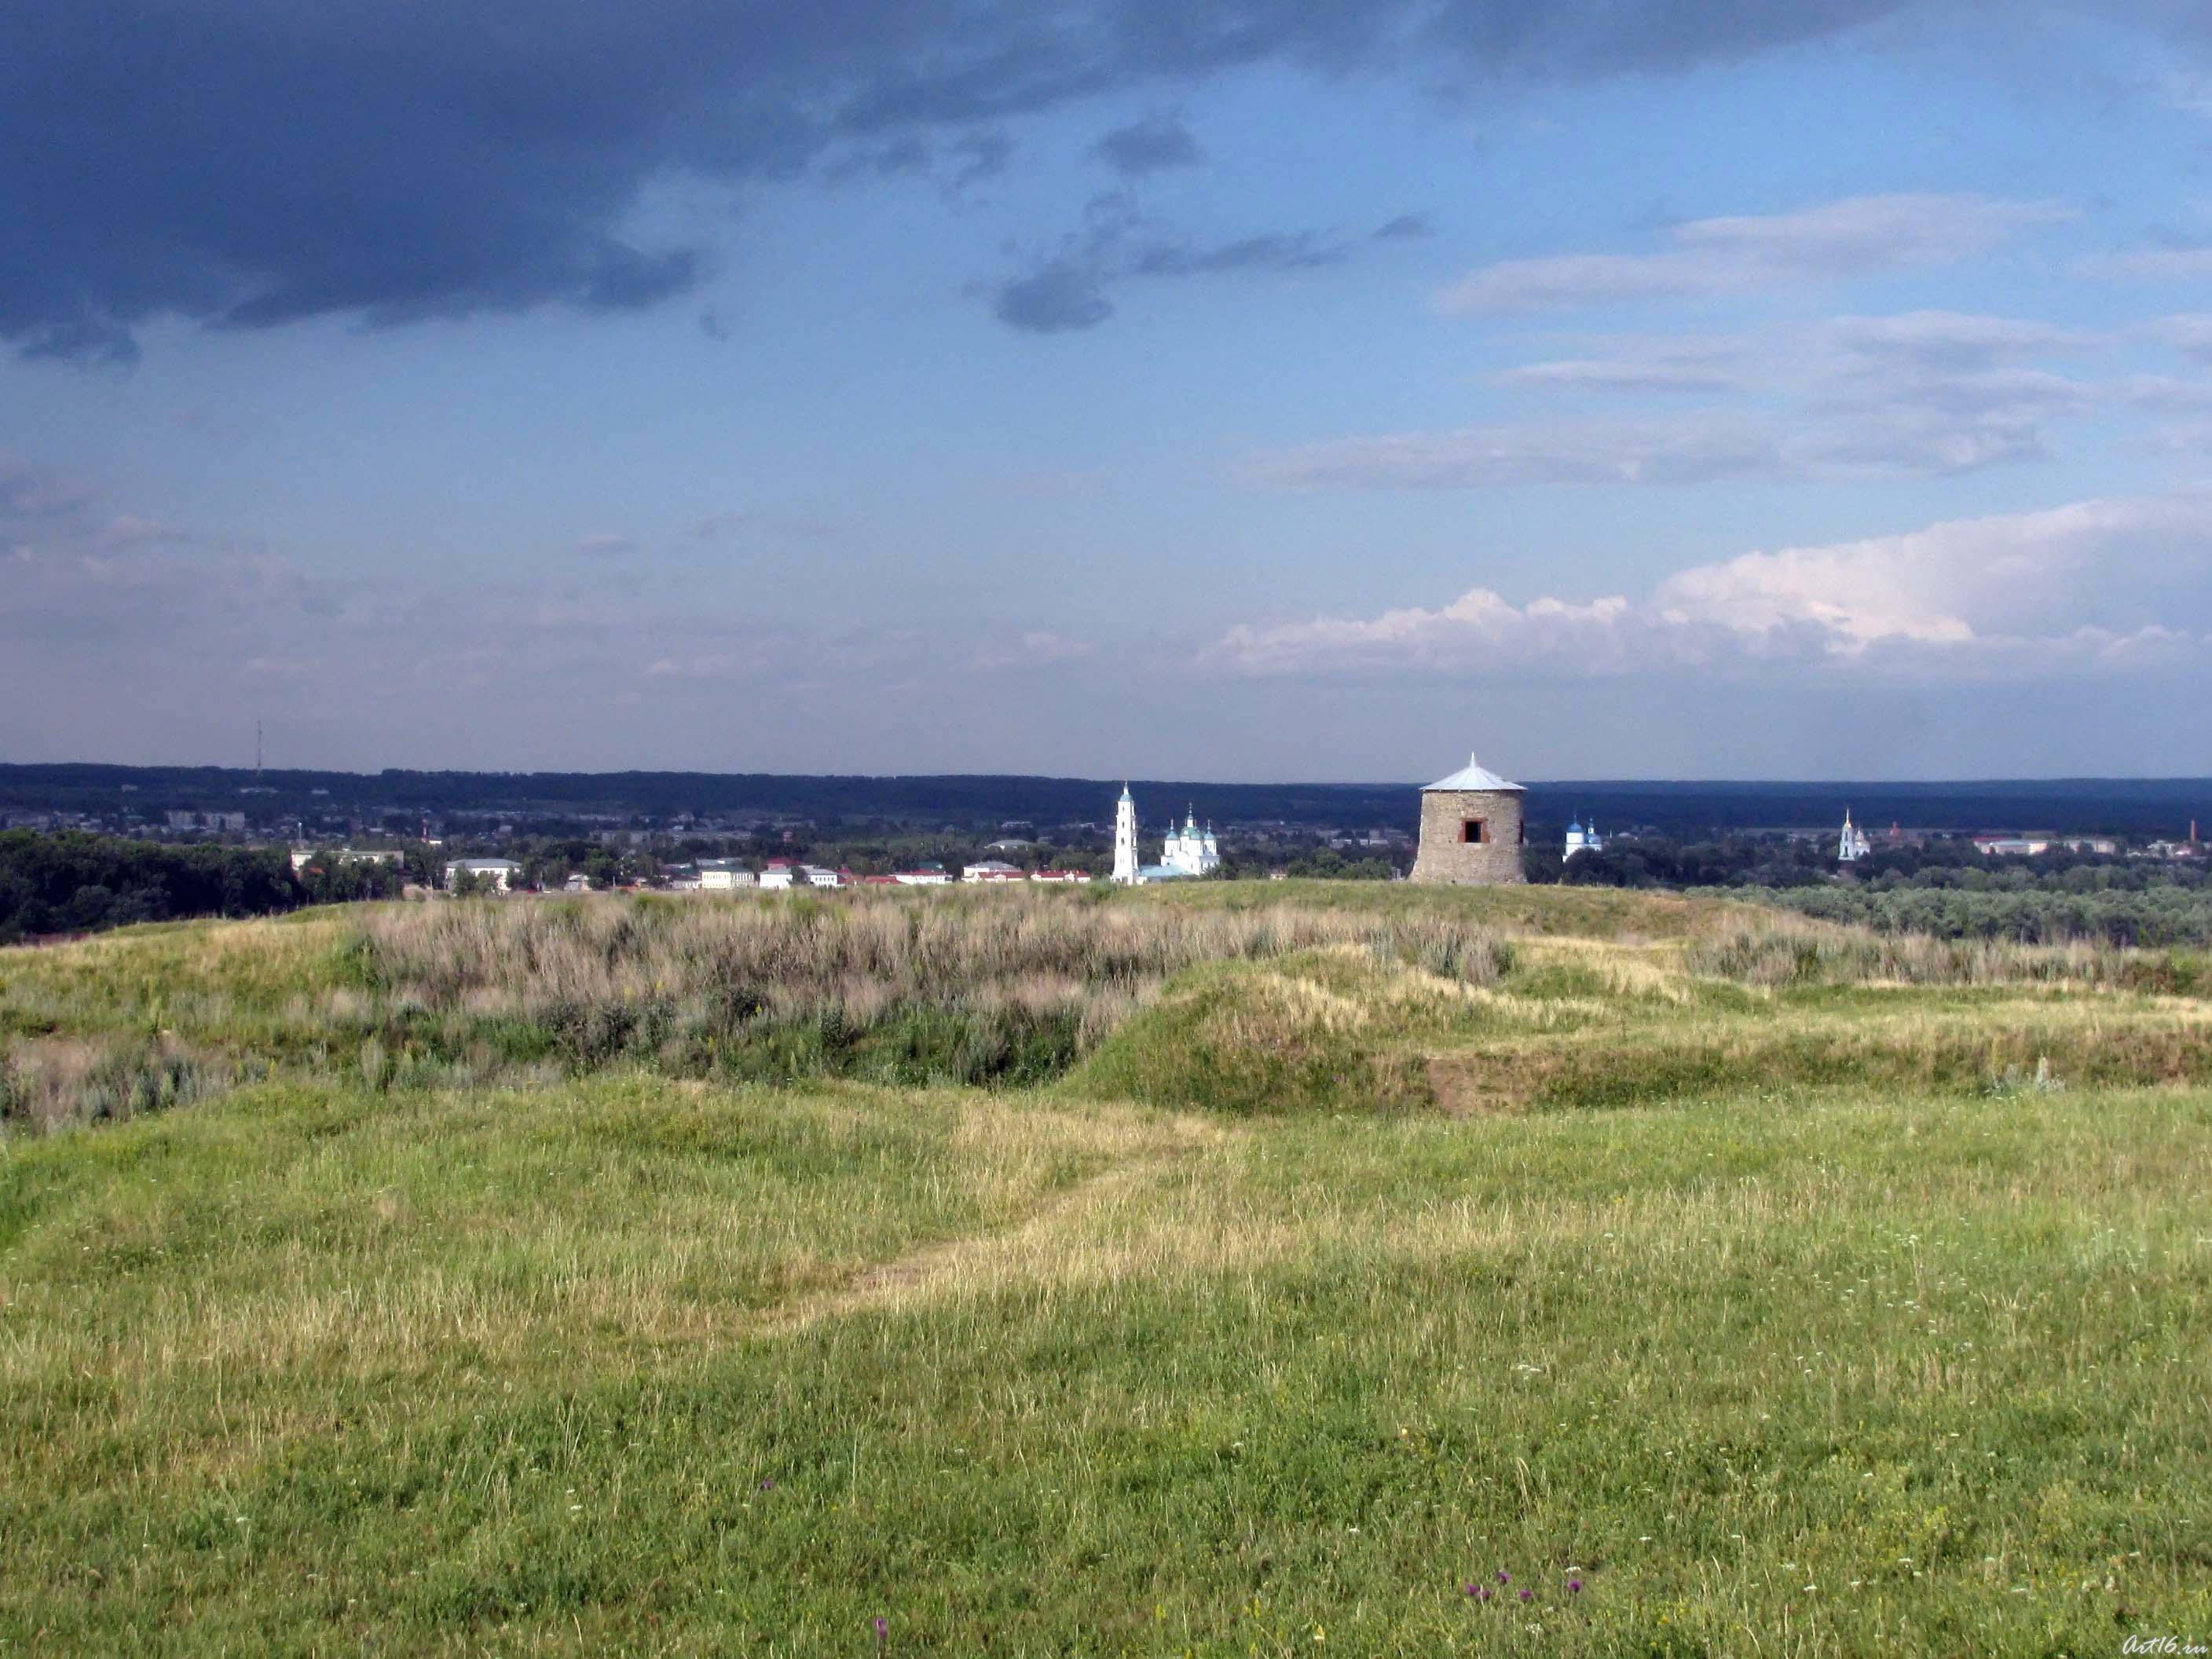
(1295, 251)
(906, 154)
(982, 155)
(1149, 146)
(254, 161)
(1059, 297)
(1067, 290)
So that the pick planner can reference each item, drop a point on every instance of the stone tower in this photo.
(1471, 831)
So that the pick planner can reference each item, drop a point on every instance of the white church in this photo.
(1583, 838)
(1186, 852)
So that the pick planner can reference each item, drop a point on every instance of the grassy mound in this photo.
(539, 1279)
(623, 1365)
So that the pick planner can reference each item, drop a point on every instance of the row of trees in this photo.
(74, 883)
(1947, 887)
(2154, 917)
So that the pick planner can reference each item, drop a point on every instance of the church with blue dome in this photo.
(1583, 838)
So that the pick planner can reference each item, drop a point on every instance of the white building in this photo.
(928, 877)
(1188, 851)
(1852, 845)
(780, 874)
(815, 876)
(724, 876)
(304, 856)
(992, 870)
(1583, 838)
(500, 872)
(1071, 878)
(2015, 847)
(1125, 839)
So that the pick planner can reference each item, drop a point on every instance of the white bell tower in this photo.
(1125, 840)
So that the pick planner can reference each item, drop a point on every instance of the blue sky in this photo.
(1235, 388)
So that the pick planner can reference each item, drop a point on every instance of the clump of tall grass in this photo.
(1785, 951)
(943, 987)
(50, 1083)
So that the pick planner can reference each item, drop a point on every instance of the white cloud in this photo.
(1695, 448)
(31, 492)
(2100, 586)
(2189, 334)
(1928, 394)
(1860, 236)
(1929, 347)
(2191, 93)
(2167, 264)
(1037, 648)
(128, 530)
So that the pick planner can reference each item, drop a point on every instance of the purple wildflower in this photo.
(1527, 1595)
(1483, 1594)
(1467, 1589)
(1504, 1576)
(768, 1486)
(882, 1630)
(1574, 1587)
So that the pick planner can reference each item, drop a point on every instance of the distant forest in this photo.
(76, 884)
(2123, 805)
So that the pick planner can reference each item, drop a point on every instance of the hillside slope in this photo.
(1748, 1279)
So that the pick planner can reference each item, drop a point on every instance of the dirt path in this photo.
(1029, 1248)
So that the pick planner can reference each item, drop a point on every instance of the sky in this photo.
(1254, 390)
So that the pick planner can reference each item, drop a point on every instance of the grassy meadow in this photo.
(1228, 1270)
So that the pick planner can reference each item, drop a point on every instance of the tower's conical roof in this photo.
(1473, 775)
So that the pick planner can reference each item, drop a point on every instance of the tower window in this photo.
(1474, 831)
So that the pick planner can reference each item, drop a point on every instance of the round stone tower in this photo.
(1471, 831)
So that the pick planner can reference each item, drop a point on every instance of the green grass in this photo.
(1606, 1267)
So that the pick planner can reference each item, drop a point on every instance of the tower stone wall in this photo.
(1448, 858)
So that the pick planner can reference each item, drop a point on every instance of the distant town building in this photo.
(1852, 845)
(1471, 830)
(1583, 838)
(724, 875)
(2017, 847)
(780, 874)
(1073, 876)
(929, 875)
(577, 883)
(989, 870)
(501, 872)
(304, 856)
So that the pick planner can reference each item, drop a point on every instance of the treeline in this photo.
(1945, 889)
(2156, 916)
(81, 883)
(1662, 861)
